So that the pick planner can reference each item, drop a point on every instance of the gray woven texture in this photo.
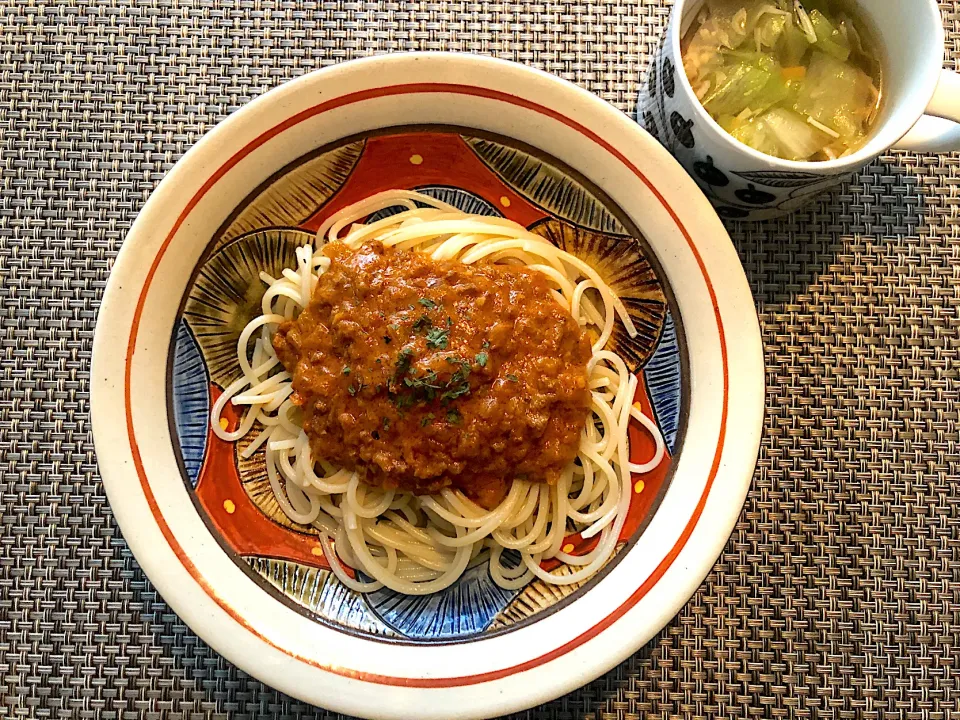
(838, 595)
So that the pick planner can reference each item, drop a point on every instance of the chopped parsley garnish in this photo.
(402, 402)
(426, 420)
(437, 338)
(386, 423)
(428, 303)
(513, 378)
(426, 380)
(426, 384)
(352, 390)
(346, 369)
(458, 384)
(404, 358)
(393, 326)
(463, 368)
(481, 359)
(454, 417)
(456, 392)
(422, 323)
(410, 385)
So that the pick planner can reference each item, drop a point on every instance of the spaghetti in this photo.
(419, 544)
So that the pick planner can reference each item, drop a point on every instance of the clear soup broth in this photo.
(796, 80)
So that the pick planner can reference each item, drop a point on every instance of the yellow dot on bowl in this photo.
(505, 201)
(568, 548)
(229, 507)
(223, 423)
(318, 551)
(416, 159)
(638, 488)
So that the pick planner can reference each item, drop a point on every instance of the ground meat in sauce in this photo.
(424, 374)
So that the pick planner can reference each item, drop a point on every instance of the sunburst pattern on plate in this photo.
(623, 266)
(227, 291)
(291, 198)
(546, 186)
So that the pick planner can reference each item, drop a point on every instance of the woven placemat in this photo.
(838, 595)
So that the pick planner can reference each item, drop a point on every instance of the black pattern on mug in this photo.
(782, 178)
(710, 173)
(731, 213)
(650, 124)
(669, 77)
(682, 129)
(752, 196)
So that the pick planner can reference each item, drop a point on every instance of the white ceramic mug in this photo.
(920, 111)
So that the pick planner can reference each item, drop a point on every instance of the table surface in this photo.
(838, 594)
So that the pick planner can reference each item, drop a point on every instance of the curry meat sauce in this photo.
(423, 374)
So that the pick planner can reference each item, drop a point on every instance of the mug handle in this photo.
(939, 129)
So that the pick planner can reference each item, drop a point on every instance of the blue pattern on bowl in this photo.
(191, 400)
(461, 199)
(466, 608)
(662, 376)
(320, 592)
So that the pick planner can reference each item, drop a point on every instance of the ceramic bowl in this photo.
(493, 138)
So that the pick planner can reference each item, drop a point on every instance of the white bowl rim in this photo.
(334, 684)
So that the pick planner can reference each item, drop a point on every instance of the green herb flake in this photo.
(437, 338)
(346, 369)
(393, 326)
(352, 390)
(463, 372)
(428, 379)
(458, 384)
(454, 417)
(402, 402)
(404, 358)
(481, 359)
(386, 423)
(426, 420)
(513, 378)
(455, 392)
(422, 323)
(404, 361)
(428, 303)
